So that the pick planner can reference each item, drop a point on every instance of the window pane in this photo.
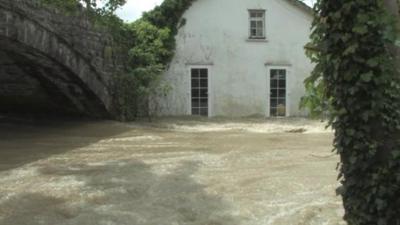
(203, 93)
(282, 84)
(195, 93)
(259, 33)
(204, 83)
(253, 24)
(195, 103)
(274, 83)
(195, 83)
(278, 74)
(274, 93)
(274, 74)
(195, 73)
(274, 103)
(203, 73)
(282, 93)
(273, 112)
(282, 101)
(257, 14)
(204, 103)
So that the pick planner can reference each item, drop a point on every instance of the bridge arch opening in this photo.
(31, 82)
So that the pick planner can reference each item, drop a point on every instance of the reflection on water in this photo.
(218, 172)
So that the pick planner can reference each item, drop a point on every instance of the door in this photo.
(199, 88)
(278, 92)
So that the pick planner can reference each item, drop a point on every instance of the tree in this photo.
(153, 47)
(353, 46)
(109, 6)
(142, 82)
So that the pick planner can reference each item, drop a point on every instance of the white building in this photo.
(240, 58)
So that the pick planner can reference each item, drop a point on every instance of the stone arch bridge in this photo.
(52, 62)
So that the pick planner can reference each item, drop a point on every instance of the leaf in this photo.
(367, 77)
(382, 222)
(340, 190)
(365, 116)
(396, 154)
(353, 159)
(381, 204)
(360, 29)
(342, 111)
(373, 62)
(350, 132)
(397, 42)
(351, 49)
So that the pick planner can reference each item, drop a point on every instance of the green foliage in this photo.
(168, 15)
(65, 5)
(351, 44)
(153, 47)
(135, 91)
(149, 47)
(150, 44)
(109, 6)
(102, 17)
(315, 100)
(145, 67)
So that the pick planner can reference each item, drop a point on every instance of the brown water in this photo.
(171, 172)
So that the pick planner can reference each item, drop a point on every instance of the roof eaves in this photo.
(302, 5)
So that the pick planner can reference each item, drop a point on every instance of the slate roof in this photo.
(301, 5)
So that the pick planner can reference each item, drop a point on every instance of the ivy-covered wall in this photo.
(352, 47)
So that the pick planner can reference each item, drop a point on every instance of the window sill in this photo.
(257, 40)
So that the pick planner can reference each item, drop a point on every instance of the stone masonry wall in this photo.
(67, 50)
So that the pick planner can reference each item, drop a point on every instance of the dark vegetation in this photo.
(357, 79)
(150, 44)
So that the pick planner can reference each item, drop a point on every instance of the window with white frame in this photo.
(257, 24)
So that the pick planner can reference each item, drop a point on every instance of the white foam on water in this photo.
(133, 138)
(258, 127)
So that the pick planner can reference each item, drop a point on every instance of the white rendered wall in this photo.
(215, 36)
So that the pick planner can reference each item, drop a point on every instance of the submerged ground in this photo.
(169, 172)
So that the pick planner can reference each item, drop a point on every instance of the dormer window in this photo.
(257, 24)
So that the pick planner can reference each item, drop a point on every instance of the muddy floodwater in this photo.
(168, 172)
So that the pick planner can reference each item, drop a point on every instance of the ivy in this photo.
(110, 6)
(352, 47)
(152, 50)
(142, 80)
(149, 45)
(315, 100)
(68, 6)
(101, 17)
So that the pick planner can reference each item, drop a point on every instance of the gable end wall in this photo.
(215, 36)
